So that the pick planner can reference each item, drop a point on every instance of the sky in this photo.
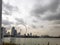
(41, 17)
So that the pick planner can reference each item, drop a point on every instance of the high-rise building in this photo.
(3, 32)
(30, 34)
(3, 29)
(14, 31)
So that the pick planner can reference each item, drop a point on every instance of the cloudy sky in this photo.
(41, 17)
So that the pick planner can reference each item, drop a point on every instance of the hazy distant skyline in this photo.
(41, 17)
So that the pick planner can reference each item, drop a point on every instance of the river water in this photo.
(34, 41)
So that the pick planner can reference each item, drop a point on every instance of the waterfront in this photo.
(35, 41)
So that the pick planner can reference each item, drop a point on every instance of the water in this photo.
(35, 41)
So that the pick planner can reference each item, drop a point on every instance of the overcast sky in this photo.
(39, 16)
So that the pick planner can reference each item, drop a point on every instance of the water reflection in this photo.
(33, 41)
(12, 40)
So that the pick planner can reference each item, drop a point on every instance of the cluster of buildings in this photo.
(13, 32)
(4, 31)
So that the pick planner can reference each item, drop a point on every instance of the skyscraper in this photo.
(3, 31)
(30, 34)
(13, 32)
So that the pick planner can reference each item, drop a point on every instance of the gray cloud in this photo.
(6, 22)
(20, 21)
(41, 26)
(33, 26)
(36, 26)
(38, 10)
(55, 27)
(53, 17)
(6, 12)
(7, 9)
(56, 22)
(58, 27)
(35, 21)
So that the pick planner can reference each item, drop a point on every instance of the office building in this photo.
(14, 31)
(30, 34)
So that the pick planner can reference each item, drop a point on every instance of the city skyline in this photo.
(41, 17)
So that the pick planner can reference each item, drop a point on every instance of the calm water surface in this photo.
(34, 41)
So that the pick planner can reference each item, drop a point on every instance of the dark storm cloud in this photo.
(7, 9)
(38, 10)
(6, 22)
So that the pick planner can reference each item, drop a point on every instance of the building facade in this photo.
(13, 31)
